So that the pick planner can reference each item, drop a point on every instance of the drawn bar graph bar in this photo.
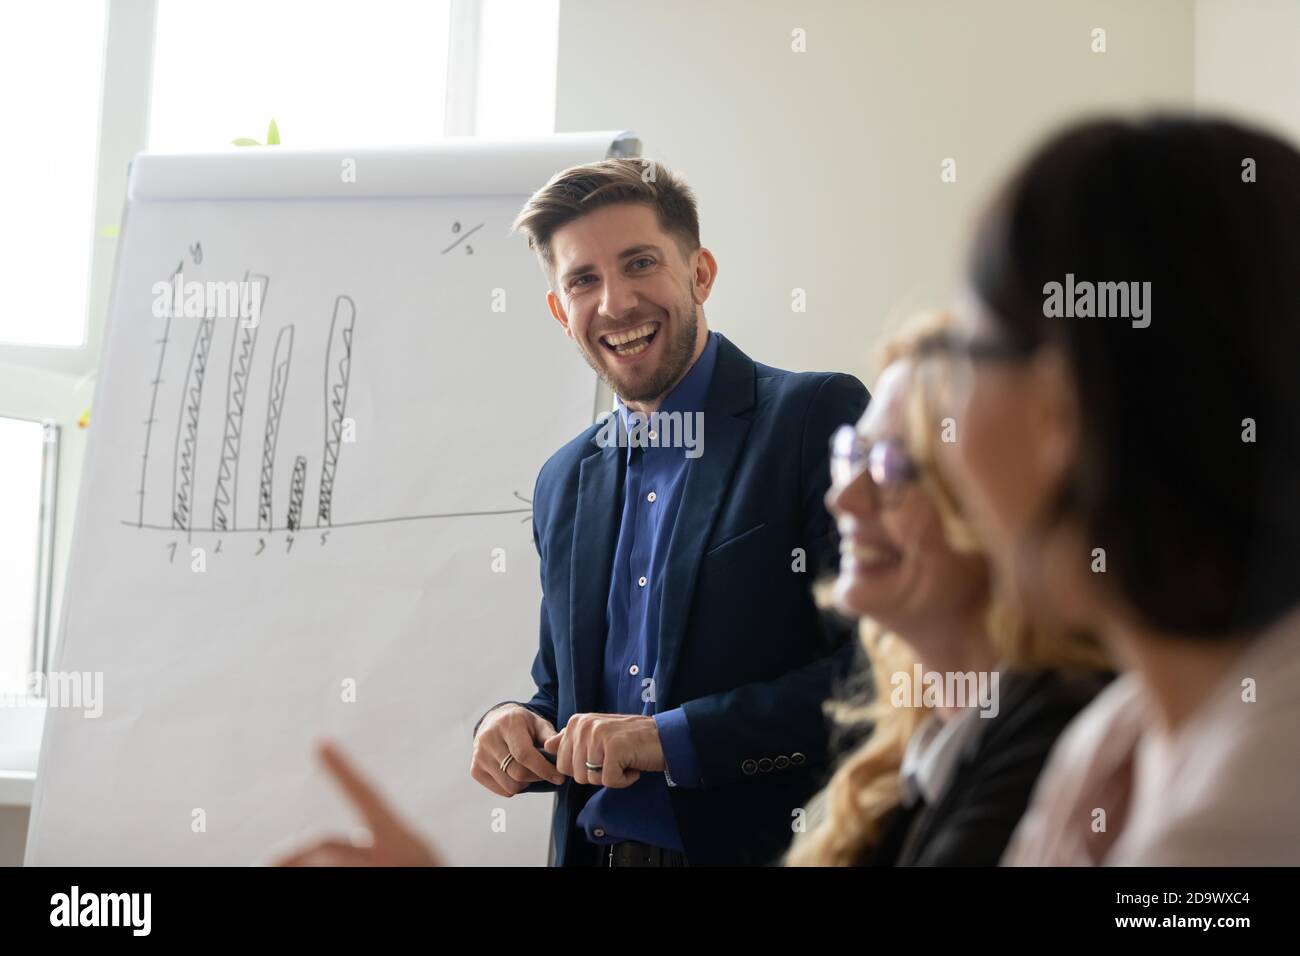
(187, 429)
(153, 401)
(274, 408)
(243, 339)
(296, 484)
(338, 370)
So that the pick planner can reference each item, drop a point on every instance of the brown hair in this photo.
(578, 190)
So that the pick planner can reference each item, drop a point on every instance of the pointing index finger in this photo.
(365, 798)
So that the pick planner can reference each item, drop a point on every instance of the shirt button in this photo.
(653, 435)
(641, 581)
(651, 496)
(634, 670)
(598, 832)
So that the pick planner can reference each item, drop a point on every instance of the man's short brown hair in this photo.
(579, 190)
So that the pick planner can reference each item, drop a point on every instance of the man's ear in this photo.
(703, 274)
(557, 310)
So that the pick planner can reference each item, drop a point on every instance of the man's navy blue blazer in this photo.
(742, 646)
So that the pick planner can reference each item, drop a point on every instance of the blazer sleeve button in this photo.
(749, 767)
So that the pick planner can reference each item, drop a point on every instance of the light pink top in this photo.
(1221, 790)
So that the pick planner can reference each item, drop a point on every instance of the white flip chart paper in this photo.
(317, 524)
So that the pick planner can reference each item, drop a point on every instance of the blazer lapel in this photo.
(708, 479)
(973, 755)
(595, 533)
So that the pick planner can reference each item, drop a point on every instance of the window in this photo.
(515, 92)
(332, 73)
(51, 69)
(30, 453)
(335, 73)
(200, 74)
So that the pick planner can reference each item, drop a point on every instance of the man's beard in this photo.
(677, 359)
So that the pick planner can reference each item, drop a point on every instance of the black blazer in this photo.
(742, 647)
(972, 822)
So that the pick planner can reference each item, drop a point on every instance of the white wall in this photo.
(821, 170)
(1248, 61)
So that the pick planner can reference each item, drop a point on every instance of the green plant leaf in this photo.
(245, 141)
(273, 134)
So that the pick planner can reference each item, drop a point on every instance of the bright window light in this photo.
(22, 448)
(516, 68)
(51, 70)
(331, 73)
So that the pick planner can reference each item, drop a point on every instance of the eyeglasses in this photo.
(974, 349)
(951, 381)
(886, 463)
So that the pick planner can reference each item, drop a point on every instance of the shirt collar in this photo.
(689, 394)
(932, 753)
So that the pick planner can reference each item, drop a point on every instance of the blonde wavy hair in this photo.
(864, 789)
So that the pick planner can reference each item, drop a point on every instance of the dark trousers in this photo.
(631, 853)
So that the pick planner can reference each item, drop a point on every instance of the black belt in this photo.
(631, 853)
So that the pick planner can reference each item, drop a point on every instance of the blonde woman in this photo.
(967, 702)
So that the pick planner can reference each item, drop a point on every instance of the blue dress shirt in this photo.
(652, 493)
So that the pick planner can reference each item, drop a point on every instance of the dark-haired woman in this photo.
(1132, 456)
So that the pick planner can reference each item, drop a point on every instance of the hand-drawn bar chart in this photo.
(255, 389)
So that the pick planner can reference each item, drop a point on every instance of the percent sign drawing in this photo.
(461, 237)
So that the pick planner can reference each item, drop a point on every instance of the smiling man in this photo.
(682, 659)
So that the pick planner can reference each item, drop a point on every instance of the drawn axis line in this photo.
(337, 524)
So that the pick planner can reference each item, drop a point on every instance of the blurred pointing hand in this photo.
(395, 844)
